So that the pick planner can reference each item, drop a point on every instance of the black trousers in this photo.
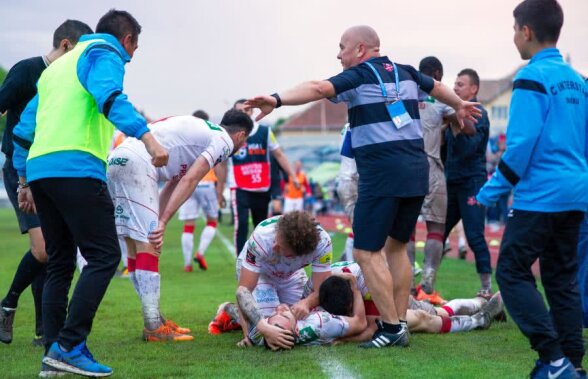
(552, 238)
(75, 212)
(461, 205)
(243, 202)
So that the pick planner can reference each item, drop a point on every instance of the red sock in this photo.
(188, 228)
(147, 262)
(449, 310)
(211, 223)
(445, 324)
(131, 262)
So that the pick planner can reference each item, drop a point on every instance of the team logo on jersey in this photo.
(472, 201)
(241, 153)
(118, 161)
(306, 335)
(326, 259)
(388, 67)
(119, 213)
(250, 257)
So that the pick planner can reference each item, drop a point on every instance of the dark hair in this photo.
(119, 24)
(201, 114)
(235, 121)
(474, 78)
(544, 17)
(71, 30)
(240, 101)
(299, 231)
(429, 65)
(336, 296)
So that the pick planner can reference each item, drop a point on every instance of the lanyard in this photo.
(382, 87)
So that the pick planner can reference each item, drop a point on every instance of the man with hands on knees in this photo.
(196, 146)
(271, 263)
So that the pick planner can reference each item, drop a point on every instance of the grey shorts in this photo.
(435, 204)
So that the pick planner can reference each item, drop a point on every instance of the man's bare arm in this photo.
(248, 305)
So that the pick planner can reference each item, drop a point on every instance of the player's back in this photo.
(320, 328)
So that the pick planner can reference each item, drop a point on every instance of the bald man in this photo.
(387, 143)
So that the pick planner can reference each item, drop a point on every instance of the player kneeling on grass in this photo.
(271, 264)
(340, 315)
(195, 146)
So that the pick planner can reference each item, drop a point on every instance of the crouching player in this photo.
(271, 263)
(195, 146)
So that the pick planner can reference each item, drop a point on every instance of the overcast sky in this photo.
(207, 53)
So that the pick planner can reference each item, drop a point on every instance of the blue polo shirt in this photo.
(391, 162)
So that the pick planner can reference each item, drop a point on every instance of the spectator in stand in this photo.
(294, 196)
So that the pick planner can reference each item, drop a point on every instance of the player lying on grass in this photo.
(141, 212)
(458, 315)
(270, 266)
(341, 315)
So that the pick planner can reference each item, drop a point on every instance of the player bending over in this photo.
(195, 146)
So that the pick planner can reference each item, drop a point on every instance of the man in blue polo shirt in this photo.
(387, 142)
(545, 162)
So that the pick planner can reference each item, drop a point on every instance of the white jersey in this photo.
(348, 167)
(185, 138)
(320, 328)
(432, 112)
(258, 256)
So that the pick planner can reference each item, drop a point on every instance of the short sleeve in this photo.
(345, 84)
(425, 82)
(253, 255)
(323, 255)
(219, 149)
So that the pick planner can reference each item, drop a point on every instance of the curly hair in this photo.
(299, 231)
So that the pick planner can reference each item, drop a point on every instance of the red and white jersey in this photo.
(258, 256)
(320, 328)
(341, 267)
(185, 138)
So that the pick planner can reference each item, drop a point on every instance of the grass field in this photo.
(191, 300)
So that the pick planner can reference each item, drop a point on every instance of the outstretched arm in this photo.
(301, 94)
(464, 110)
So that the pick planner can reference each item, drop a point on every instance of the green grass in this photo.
(191, 300)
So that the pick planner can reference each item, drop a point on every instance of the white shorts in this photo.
(132, 183)
(291, 205)
(271, 292)
(204, 198)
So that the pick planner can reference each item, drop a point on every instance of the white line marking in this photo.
(230, 247)
(334, 369)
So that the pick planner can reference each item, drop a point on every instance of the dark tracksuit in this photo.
(465, 169)
(546, 163)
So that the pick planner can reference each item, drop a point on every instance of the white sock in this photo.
(461, 243)
(187, 247)
(466, 307)
(80, 261)
(149, 280)
(462, 324)
(348, 249)
(206, 238)
(123, 250)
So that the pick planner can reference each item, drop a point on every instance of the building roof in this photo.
(491, 89)
(321, 115)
